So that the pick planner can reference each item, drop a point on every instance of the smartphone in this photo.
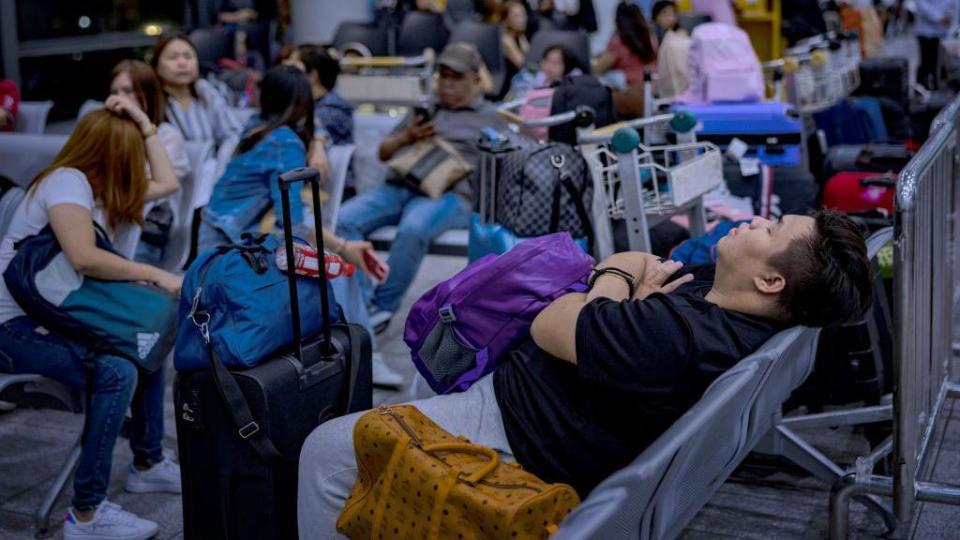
(377, 269)
(424, 113)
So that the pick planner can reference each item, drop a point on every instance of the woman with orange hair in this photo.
(138, 81)
(99, 176)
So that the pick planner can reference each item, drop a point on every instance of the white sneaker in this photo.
(162, 477)
(380, 320)
(383, 375)
(110, 522)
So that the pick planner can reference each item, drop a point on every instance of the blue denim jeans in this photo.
(419, 220)
(210, 237)
(25, 347)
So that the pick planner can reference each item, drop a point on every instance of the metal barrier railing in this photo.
(927, 261)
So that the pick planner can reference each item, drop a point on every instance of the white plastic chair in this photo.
(201, 157)
(89, 106)
(32, 117)
(339, 157)
(23, 156)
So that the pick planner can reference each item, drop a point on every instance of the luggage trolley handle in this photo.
(287, 179)
(493, 145)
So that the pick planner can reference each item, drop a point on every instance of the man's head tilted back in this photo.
(800, 269)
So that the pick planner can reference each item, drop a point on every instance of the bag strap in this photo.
(239, 410)
(359, 343)
(233, 398)
(555, 209)
(577, 196)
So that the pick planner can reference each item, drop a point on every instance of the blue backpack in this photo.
(132, 320)
(236, 297)
(702, 249)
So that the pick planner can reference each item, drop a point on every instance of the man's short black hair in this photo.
(828, 274)
(317, 59)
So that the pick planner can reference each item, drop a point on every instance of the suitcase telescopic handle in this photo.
(286, 180)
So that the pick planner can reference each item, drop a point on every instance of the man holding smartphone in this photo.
(458, 116)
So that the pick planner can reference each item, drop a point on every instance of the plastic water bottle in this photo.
(307, 262)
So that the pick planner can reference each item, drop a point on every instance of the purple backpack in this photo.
(458, 330)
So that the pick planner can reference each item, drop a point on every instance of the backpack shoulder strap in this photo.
(239, 410)
(577, 196)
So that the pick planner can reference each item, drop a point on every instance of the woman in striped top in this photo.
(193, 104)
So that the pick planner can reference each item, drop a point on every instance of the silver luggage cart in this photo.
(640, 183)
(387, 80)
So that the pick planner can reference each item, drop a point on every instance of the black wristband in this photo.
(627, 277)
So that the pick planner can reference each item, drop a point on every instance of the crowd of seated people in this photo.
(566, 403)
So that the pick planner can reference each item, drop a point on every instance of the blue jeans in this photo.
(210, 237)
(25, 347)
(419, 220)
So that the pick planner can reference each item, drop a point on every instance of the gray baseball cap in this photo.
(460, 57)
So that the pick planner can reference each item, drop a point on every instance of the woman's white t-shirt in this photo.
(62, 186)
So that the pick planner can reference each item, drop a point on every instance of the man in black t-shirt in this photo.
(606, 372)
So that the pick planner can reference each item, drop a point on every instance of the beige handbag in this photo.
(430, 165)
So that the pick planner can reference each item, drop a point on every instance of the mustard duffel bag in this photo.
(415, 480)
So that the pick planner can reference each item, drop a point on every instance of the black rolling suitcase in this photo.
(796, 187)
(885, 77)
(240, 432)
(880, 158)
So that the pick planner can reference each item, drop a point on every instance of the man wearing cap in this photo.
(460, 113)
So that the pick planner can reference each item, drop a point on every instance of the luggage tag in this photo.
(749, 167)
(737, 149)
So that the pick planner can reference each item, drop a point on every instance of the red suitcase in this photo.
(855, 192)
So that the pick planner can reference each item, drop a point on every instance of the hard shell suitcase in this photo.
(885, 77)
(240, 432)
(773, 131)
(857, 192)
(877, 158)
(795, 187)
(853, 121)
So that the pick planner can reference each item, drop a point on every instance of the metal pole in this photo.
(904, 426)
(846, 488)
(624, 143)
(10, 42)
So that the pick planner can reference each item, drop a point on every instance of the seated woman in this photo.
(631, 50)
(672, 66)
(276, 142)
(193, 105)
(99, 175)
(137, 81)
(557, 62)
(514, 37)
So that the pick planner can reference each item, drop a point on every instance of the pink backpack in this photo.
(722, 66)
(536, 106)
